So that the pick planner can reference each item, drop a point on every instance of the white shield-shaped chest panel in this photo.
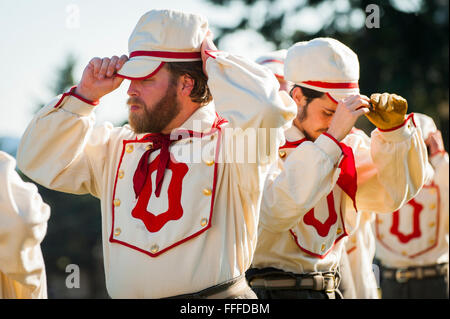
(322, 226)
(413, 229)
(152, 224)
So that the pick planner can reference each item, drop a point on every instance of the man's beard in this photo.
(301, 118)
(156, 119)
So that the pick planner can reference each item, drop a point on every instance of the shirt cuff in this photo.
(400, 133)
(330, 146)
(75, 103)
(436, 158)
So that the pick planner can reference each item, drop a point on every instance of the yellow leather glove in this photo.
(388, 110)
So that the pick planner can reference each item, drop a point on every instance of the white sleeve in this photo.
(309, 173)
(391, 169)
(23, 225)
(62, 150)
(246, 95)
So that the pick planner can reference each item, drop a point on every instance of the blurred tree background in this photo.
(408, 54)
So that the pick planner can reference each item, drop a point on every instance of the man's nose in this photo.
(133, 89)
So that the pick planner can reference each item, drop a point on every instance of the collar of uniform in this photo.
(293, 134)
(201, 120)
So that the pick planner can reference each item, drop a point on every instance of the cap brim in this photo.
(139, 68)
(338, 95)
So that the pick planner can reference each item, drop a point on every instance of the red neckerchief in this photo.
(347, 180)
(161, 141)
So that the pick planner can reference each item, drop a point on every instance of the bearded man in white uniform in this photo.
(327, 172)
(175, 223)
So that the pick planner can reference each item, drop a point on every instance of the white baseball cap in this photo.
(325, 65)
(274, 61)
(163, 36)
(425, 123)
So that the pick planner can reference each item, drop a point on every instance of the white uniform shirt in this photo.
(23, 225)
(304, 214)
(206, 235)
(417, 234)
(360, 248)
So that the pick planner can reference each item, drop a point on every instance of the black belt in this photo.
(272, 278)
(402, 275)
(228, 289)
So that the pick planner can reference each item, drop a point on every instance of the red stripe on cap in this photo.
(329, 85)
(271, 61)
(168, 55)
(144, 77)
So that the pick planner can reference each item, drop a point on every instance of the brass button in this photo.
(154, 249)
(121, 173)
(431, 241)
(432, 206)
(323, 247)
(209, 162)
(379, 221)
(207, 192)
(432, 224)
(117, 231)
(149, 146)
(409, 126)
(354, 240)
(432, 190)
(339, 231)
(282, 154)
(381, 236)
(129, 148)
(404, 253)
(212, 137)
(116, 202)
(204, 222)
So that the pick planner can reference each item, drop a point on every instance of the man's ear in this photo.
(298, 97)
(186, 84)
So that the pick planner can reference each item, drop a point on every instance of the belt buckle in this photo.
(400, 276)
(327, 278)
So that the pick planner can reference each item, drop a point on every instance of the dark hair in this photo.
(200, 92)
(308, 93)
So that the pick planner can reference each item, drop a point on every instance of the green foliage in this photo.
(407, 55)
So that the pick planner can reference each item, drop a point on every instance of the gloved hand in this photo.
(388, 110)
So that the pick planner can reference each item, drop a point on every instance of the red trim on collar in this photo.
(167, 54)
(330, 85)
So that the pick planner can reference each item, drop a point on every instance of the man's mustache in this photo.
(135, 101)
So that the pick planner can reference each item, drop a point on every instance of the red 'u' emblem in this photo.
(152, 222)
(322, 228)
(417, 209)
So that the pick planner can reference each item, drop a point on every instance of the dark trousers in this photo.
(425, 288)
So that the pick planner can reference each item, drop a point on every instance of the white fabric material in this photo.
(390, 170)
(23, 225)
(421, 237)
(274, 61)
(323, 60)
(62, 150)
(360, 248)
(167, 31)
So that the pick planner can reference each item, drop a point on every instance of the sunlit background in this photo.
(46, 44)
